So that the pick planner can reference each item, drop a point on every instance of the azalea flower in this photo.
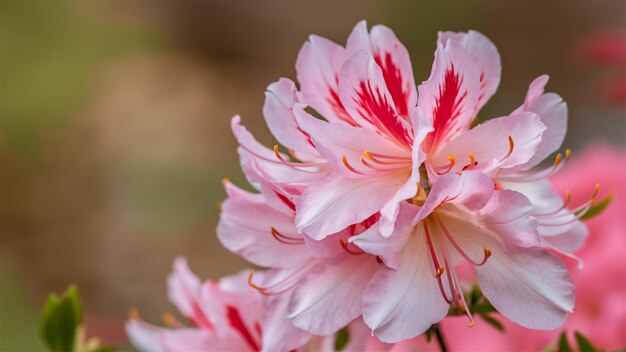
(362, 159)
(463, 219)
(329, 285)
(600, 313)
(465, 74)
(224, 316)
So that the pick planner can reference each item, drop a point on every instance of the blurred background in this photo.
(115, 125)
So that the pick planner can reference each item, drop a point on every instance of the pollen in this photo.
(133, 314)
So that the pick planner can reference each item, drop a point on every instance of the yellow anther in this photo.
(169, 320)
(568, 153)
(471, 323)
(595, 193)
(440, 271)
(277, 152)
(511, 144)
(225, 181)
(133, 314)
(487, 252)
(348, 166)
(557, 159)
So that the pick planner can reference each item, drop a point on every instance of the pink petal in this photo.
(389, 249)
(245, 228)
(570, 240)
(508, 215)
(280, 98)
(393, 59)
(532, 289)
(279, 333)
(317, 67)
(336, 202)
(331, 297)
(552, 111)
(486, 58)
(472, 189)
(183, 289)
(334, 141)
(489, 143)
(450, 96)
(364, 93)
(401, 304)
(143, 336)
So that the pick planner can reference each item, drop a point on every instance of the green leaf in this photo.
(563, 344)
(583, 344)
(60, 319)
(428, 334)
(341, 341)
(597, 209)
(492, 321)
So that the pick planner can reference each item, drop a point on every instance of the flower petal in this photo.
(279, 333)
(336, 202)
(280, 98)
(450, 96)
(248, 225)
(401, 304)
(486, 57)
(365, 95)
(552, 111)
(317, 67)
(393, 59)
(491, 146)
(533, 289)
(331, 297)
(183, 289)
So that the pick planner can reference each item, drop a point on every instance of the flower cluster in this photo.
(379, 191)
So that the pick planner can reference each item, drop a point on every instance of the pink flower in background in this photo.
(600, 312)
(607, 49)
(224, 316)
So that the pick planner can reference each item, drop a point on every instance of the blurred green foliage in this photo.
(48, 51)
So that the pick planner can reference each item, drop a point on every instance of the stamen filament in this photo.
(486, 251)
(344, 245)
(449, 167)
(284, 238)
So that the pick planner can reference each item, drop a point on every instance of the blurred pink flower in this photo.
(600, 312)
(607, 49)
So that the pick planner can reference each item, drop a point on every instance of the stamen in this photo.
(568, 154)
(133, 314)
(449, 167)
(170, 321)
(284, 238)
(283, 284)
(579, 261)
(486, 250)
(540, 174)
(371, 156)
(456, 284)
(349, 167)
(472, 163)
(225, 181)
(568, 196)
(253, 285)
(344, 245)
(438, 268)
(296, 166)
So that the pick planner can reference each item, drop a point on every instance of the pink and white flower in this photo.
(224, 316)
(463, 219)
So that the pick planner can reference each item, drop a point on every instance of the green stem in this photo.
(440, 340)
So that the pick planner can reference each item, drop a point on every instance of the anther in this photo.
(557, 159)
(169, 320)
(349, 167)
(568, 153)
(471, 323)
(253, 285)
(225, 181)
(595, 193)
(440, 271)
(452, 160)
(133, 314)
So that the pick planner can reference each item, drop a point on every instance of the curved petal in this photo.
(471, 189)
(508, 215)
(334, 141)
(317, 68)
(401, 304)
(143, 336)
(280, 98)
(389, 249)
(450, 96)
(336, 202)
(364, 93)
(331, 297)
(181, 340)
(393, 59)
(570, 240)
(532, 289)
(552, 111)
(491, 146)
(279, 333)
(486, 57)
(247, 141)
(259, 233)
(183, 289)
